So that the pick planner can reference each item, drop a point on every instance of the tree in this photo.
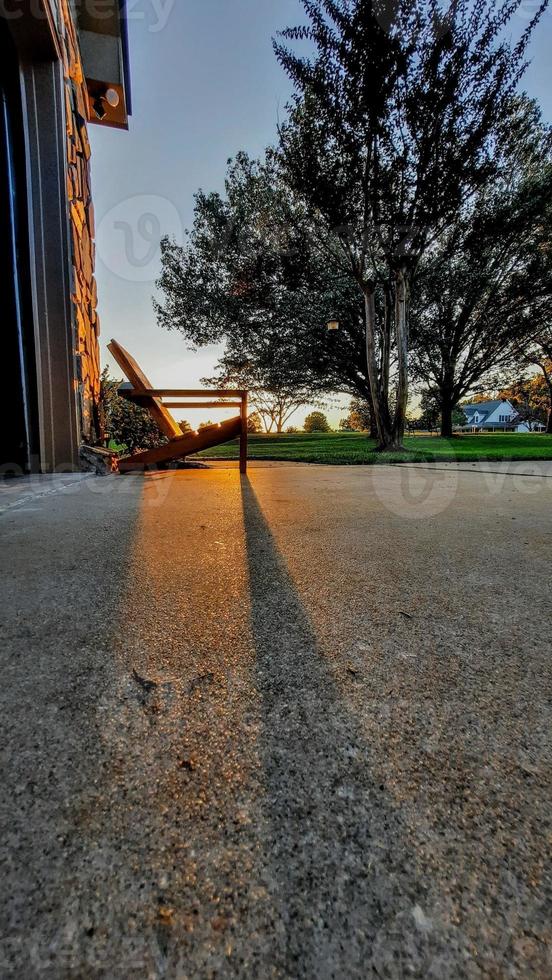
(538, 352)
(531, 398)
(254, 423)
(430, 411)
(316, 422)
(459, 417)
(274, 385)
(359, 419)
(255, 273)
(394, 124)
(546, 368)
(430, 417)
(479, 398)
(487, 285)
(125, 424)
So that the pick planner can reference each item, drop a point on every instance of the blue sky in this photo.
(205, 84)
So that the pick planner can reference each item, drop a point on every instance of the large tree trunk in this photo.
(401, 337)
(366, 395)
(446, 414)
(373, 426)
(380, 395)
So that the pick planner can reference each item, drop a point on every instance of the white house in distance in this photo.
(496, 416)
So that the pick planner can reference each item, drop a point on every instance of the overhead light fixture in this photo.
(112, 97)
(104, 101)
(333, 324)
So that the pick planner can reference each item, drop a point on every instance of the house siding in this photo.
(51, 218)
(80, 211)
(495, 417)
(481, 416)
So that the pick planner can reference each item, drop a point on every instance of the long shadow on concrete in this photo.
(337, 861)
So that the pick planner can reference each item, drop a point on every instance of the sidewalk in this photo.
(296, 725)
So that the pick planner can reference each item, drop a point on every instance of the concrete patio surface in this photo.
(291, 725)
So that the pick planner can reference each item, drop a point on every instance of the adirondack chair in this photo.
(140, 391)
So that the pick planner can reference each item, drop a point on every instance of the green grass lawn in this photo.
(354, 447)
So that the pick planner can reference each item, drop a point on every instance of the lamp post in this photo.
(333, 324)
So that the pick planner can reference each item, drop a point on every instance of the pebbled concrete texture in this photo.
(296, 725)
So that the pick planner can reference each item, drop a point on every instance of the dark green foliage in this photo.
(316, 422)
(398, 117)
(458, 417)
(359, 418)
(430, 418)
(255, 274)
(486, 288)
(254, 423)
(537, 352)
(401, 112)
(430, 412)
(274, 384)
(531, 396)
(401, 124)
(126, 425)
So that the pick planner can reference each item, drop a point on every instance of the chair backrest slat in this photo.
(168, 425)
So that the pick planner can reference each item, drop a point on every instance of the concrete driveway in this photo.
(296, 725)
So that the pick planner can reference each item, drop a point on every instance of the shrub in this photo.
(316, 422)
(254, 423)
(127, 427)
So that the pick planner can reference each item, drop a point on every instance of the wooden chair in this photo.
(140, 391)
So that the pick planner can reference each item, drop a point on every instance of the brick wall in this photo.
(81, 216)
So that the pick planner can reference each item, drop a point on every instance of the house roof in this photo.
(484, 407)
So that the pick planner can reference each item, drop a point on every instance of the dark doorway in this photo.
(18, 410)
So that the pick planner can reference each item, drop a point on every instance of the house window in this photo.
(504, 418)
